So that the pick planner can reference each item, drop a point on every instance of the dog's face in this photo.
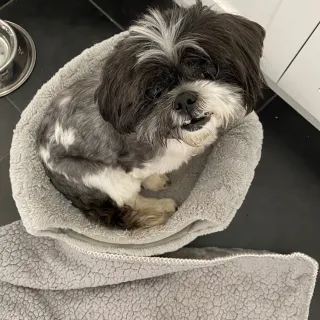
(182, 74)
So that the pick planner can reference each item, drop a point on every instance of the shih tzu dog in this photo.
(164, 94)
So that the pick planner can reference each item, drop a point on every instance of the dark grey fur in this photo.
(123, 118)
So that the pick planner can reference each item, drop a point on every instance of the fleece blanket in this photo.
(43, 278)
(209, 190)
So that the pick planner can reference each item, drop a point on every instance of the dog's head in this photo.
(182, 74)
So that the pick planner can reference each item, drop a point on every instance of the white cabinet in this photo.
(302, 79)
(290, 27)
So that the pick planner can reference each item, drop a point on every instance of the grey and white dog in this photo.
(163, 95)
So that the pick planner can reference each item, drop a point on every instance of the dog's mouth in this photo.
(196, 123)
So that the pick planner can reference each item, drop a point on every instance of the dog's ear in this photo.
(252, 34)
(114, 96)
(247, 37)
(237, 28)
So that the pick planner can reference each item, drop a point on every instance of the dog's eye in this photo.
(154, 92)
(210, 73)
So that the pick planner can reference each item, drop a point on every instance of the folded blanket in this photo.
(42, 278)
(210, 190)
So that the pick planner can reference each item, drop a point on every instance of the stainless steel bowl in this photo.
(8, 46)
(18, 56)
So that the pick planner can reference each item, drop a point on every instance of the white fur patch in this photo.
(164, 37)
(120, 186)
(45, 156)
(66, 137)
(175, 154)
(64, 101)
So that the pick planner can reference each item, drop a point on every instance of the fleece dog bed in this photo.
(209, 190)
(76, 269)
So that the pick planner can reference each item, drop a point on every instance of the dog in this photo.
(164, 94)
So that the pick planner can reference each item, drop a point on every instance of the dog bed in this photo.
(210, 189)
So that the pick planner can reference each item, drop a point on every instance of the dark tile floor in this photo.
(282, 210)
(123, 12)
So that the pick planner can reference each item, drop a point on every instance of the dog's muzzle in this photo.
(186, 105)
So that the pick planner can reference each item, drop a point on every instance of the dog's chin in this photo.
(199, 131)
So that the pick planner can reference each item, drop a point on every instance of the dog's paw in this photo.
(157, 213)
(166, 206)
(156, 182)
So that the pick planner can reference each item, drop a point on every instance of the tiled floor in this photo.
(281, 212)
(123, 12)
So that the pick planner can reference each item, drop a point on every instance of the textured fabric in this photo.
(41, 278)
(210, 190)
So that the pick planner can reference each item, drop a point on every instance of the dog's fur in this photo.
(108, 134)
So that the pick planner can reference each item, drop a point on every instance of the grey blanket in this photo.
(42, 278)
(210, 190)
(58, 265)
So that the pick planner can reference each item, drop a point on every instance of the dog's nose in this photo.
(185, 102)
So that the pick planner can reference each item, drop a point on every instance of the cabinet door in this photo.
(290, 27)
(302, 79)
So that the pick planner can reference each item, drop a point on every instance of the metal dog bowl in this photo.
(17, 56)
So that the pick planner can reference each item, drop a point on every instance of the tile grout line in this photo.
(4, 156)
(107, 15)
(267, 103)
(6, 4)
(13, 104)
